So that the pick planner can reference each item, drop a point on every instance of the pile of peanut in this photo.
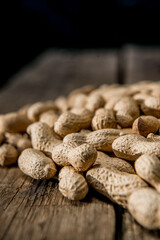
(107, 138)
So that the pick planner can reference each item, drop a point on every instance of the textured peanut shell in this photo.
(13, 122)
(144, 125)
(38, 108)
(81, 157)
(8, 155)
(61, 103)
(94, 102)
(70, 122)
(113, 163)
(127, 111)
(103, 118)
(114, 184)
(72, 184)
(151, 106)
(132, 146)
(35, 164)
(49, 117)
(144, 206)
(148, 167)
(154, 137)
(100, 139)
(42, 137)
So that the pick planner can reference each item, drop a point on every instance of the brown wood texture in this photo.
(31, 209)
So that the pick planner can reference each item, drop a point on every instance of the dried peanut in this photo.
(144, 205)
(103, 118)
(72, 184)
(70, 122)
(132, 146)
(114, 184)
(144, 125)
(148, 167)
(35, 164)
(49, 117)
(94, 101)
(126, 111)
(81, 157)
(8, 155)
(62, 104)
(43, 137)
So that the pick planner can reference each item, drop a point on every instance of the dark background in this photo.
(31, 26)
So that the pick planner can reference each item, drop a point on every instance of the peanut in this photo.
(38, 108)
(81, 157)
(8, 155)
(42, 137)
(35, 164)
(144, 205)
(132, 146)
(70, 122)
(94, 101)
(13, 122)
(114, 184)
(100, 139)
(144, 125)
(49, 117)
(62, 104)
(113, 162)
(72, 184)
(20, 141)
(148, 167)
(126, 111)
(103, 118)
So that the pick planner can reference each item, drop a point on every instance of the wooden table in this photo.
(31, 209)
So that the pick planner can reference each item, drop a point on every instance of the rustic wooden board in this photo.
(140, 63)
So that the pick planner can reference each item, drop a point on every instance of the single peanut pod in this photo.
(49, 117)
(20, 141)
(103, 118)
(151, 106)
(148, 167)
(43, 137)
(69, 122)
(81, 157)
(144, 125)
(132, 146)
(36, 165)
(8, 155)
(126, 111)
(38, 108)
(112, 102)
(94, 101)
(80, 101)
(72, 184)
(61, 103)
(114, 163)
(13, 122)
(114, 184)
(100, 139)
(144, 206)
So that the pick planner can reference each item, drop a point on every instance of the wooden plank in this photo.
(140, 63)
(31, 209)
(56, 73)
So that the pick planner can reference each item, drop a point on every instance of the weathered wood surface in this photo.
(31, 209)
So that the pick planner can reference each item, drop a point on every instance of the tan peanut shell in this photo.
(94, 101)
(70, 122)
(80, 101)
(8, 155)
(72, 184)
(148, 167)
(49, 117)
(114, 163)
(144, 125)
(100, 139)
(61, 103)
(132, 146)
(81, 157)
(103, 118)
(144, 206)
(43, 137)
(114, 184)
(23, 110)
(38, 108)
(20, 141)
(35, 164)
(154, 137)
(127, 111)
(13, 122)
